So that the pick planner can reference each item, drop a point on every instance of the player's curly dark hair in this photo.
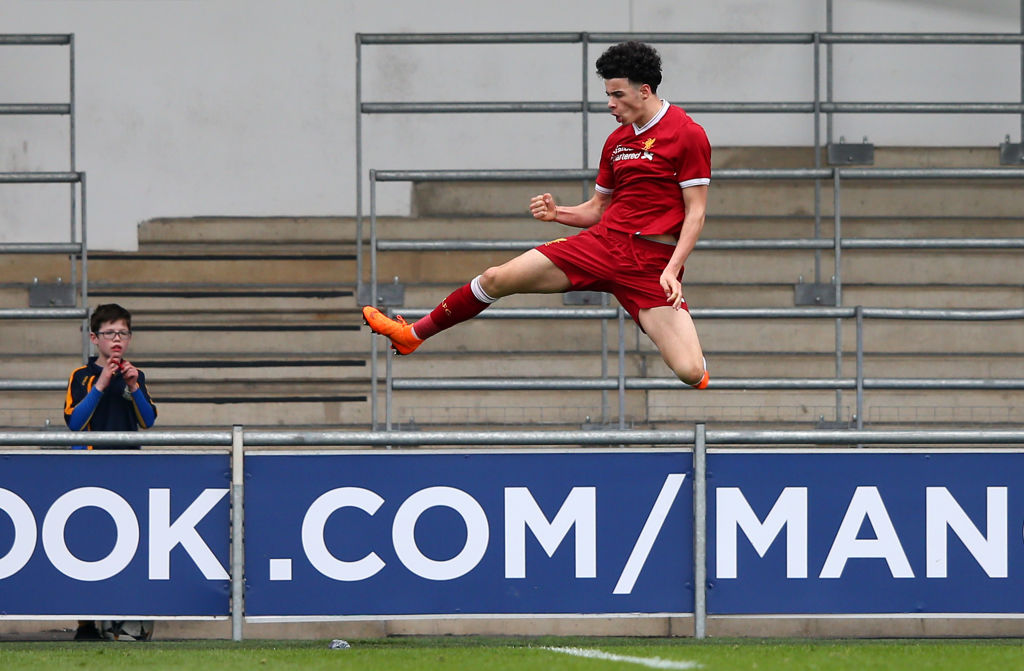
(636, 61)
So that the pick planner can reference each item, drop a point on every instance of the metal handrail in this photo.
(35, 108)
(40, 177)
(936, 313)
(719, 244)
(35, 40)
(40, 248)
(716, 384)
(300, 439)
(43, 313)
(567, 175)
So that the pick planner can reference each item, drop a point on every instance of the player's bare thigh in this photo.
(673, 332)
(529, 273)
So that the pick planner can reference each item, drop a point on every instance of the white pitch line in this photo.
(651, 662)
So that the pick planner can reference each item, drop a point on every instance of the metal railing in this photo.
(858, 384)
(76, 248)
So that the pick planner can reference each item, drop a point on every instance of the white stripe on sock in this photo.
(479, 292)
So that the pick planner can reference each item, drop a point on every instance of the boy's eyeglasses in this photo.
(114, 335)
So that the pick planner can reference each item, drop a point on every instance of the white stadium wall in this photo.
(247, 107)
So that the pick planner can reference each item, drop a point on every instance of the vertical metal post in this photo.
(72, 159)
(700, 528)
(388, 379)
(837, 246)
(605, 302)
(622, 369)
(85, 270)
(859, 311)
(837, 280)
(585, 109)
(817, 153)
(359, 162)
(237, 532)
(373, 297)
(828, 72)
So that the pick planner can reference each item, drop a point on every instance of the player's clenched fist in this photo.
(543, 207)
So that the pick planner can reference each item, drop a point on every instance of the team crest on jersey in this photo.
(648, 143)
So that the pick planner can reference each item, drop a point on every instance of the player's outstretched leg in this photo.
(676, 338)
(398, 331)
(464, 303)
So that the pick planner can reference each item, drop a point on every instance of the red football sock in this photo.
(460, 305)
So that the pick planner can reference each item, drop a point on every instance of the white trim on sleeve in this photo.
(603, 189)
(699, 181)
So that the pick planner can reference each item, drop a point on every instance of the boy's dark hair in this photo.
(636, 61)
(109, 312)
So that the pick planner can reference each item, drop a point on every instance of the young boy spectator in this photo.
(108, 394)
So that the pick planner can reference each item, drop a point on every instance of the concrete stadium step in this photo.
(751, 266)
(818, 335)
(154, 338)
(537, 409)
(342, 338)
(203, 366)
(284, 267)
(185, 297)
(969, 198)
(739, 335)
(334, 407)
(751, 364)
(798, 226)
(782, 294)
(681, 408)
(22, 268)
(508, 365)
(728, 227)
(244, 230)
(244, 319)
(926, 197)
(881, 409)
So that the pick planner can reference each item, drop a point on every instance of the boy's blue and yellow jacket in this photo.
(113, 409)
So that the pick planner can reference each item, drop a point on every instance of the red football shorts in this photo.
(626, 266)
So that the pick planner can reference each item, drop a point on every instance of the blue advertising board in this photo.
(865, 531)
(450, 533)
(107, 533)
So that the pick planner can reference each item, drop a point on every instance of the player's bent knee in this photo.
(691, 374)
(490, 281)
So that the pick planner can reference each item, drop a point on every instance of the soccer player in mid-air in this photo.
(640, 226)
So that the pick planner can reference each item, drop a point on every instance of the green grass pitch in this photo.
(521, 654)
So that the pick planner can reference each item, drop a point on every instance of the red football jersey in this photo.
(646, 169)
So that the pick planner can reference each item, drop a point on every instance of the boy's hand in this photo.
(543, 207)
(112, 368)
(131, 375)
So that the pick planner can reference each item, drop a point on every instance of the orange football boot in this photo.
(397, 330)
